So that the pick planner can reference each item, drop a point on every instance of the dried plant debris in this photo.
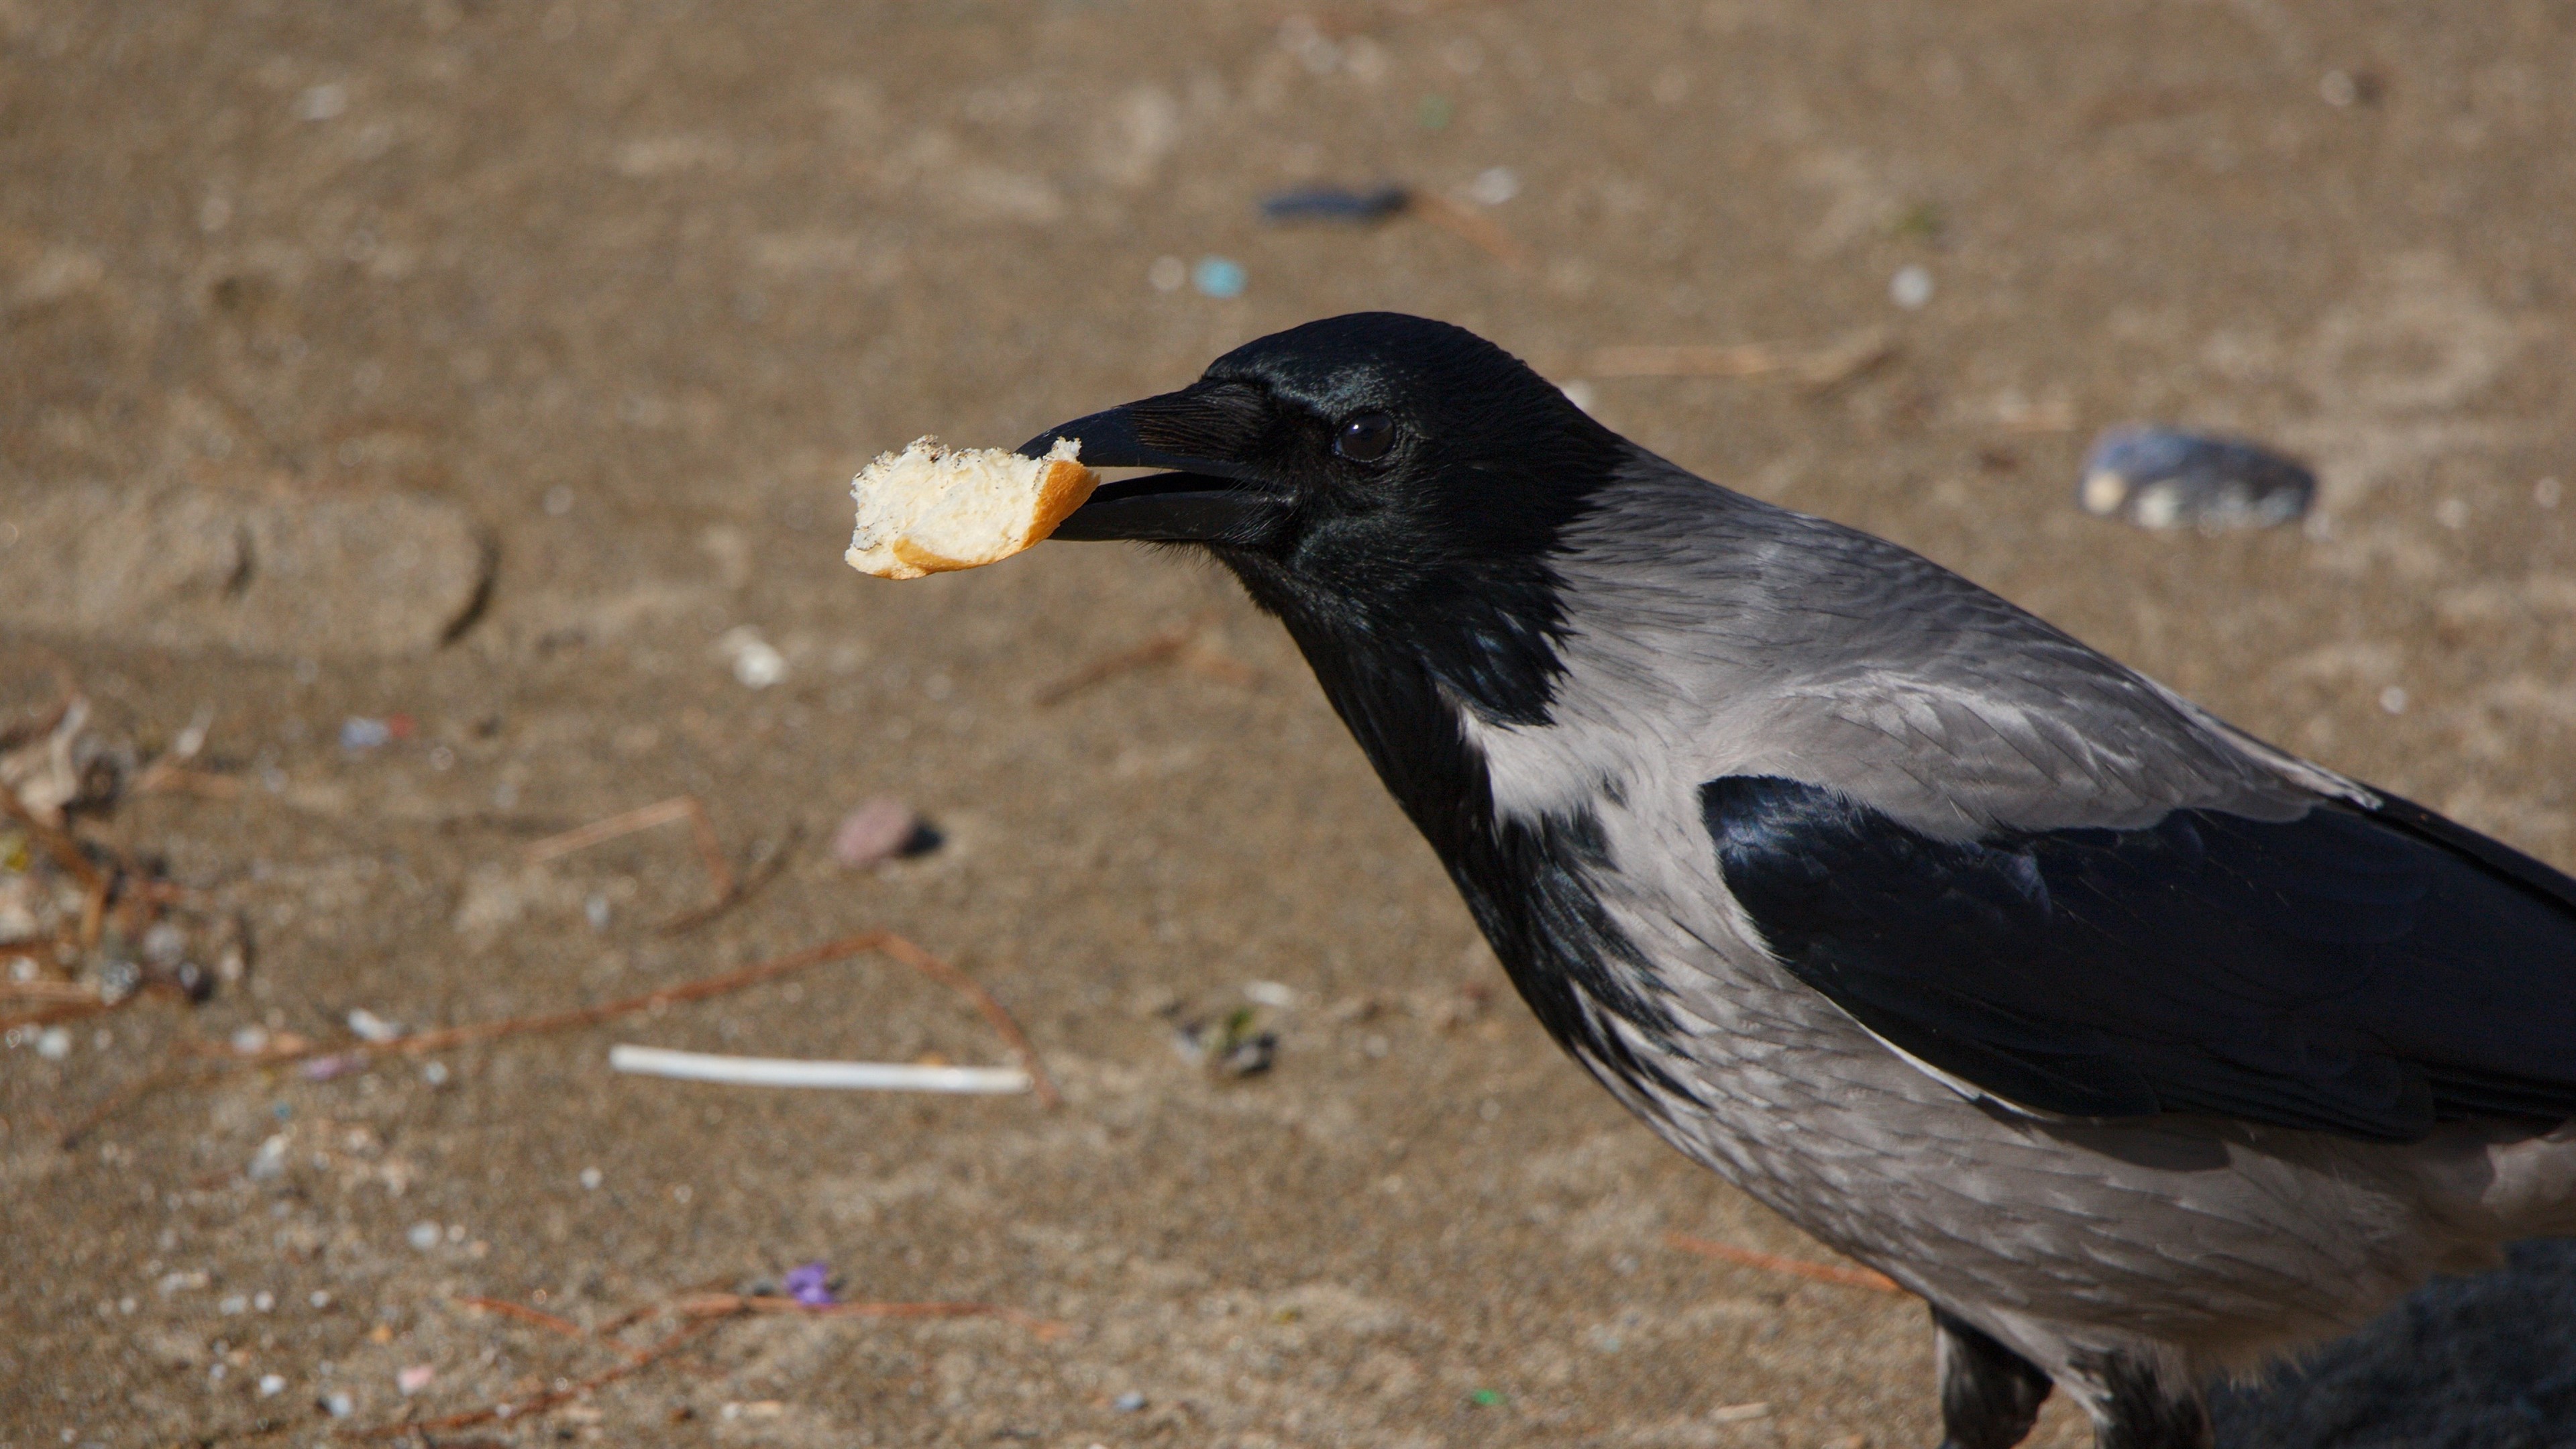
(1238, 1043)
(2164, 478)
(57, 764)
(371, 1037)
(83, 929)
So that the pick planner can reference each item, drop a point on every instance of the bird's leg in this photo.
(2138, 1402)
(1990, 1395)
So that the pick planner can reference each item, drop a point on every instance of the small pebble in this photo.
(591, 1179)
(339, 1406)
(595, 911)
(2342, 88)
(1494, 185)
(263, 1301)
(2162, 478)
(414, 1379)
(269, 1162)
(882, 829)
(373, 1028)
(557, 502)
(164, 944)
(250, 1041)
(1128, 1402)
(1219, 277)
(232, 1305)
(2393, 699)
(322, 102)
(54, 1043)
(319, 1298)
(423, 1236)
(434, 1073)
(1167, 274)
(359, 733)
(271, 1385)
(1911, 287)
(757, 664)
(118, 980)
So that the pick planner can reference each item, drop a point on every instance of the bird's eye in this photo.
(1365, 437)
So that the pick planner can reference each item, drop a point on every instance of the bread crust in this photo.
(1066, 487)
(923, 562)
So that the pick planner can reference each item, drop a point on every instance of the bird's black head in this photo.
(1382, 482)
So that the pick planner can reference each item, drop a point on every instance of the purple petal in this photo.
(810, 1284)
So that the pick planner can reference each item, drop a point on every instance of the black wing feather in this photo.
(2366, 972)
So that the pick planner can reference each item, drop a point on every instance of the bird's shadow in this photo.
(2464, 1363)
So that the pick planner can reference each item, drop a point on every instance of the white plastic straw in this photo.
(787, 1072)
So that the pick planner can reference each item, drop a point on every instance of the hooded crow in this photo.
(2142, 1050)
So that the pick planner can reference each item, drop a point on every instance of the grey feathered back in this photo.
(1766, 641)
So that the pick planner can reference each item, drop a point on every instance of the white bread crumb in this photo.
(930, 508)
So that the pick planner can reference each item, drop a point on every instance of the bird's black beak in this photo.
(1199, 433)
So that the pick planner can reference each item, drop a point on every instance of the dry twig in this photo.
(1744, 359)
(88, 1003)
(728, 889)
(973, 990)
(707, 1311)
(732, 1304)
(1171, 644)
(1479, 230)
(538, 1316)
(1818, 369)
(43, 990)
(727, 1305)
(75, 862)
(163, 777)
(883, 943)
(540, 1403)
(165, 771)
(1773, 1263)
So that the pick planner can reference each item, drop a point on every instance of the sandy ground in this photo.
(623, 293)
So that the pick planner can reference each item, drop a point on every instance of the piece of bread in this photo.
(930, 509)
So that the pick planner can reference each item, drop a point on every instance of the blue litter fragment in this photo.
(811, 1284)
(1218, 277)
(1336, 203)
(360, 733)
(2165, 478)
